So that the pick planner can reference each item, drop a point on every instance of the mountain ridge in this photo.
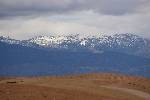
(124, 43)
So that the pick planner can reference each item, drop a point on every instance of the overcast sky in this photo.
(22, 19)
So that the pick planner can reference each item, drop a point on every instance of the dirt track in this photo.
(141, 94)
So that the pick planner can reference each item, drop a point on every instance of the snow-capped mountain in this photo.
(20, 42)
(122, 40)
(53, 41)
(9, 40)
(124, 43)
(60, 55)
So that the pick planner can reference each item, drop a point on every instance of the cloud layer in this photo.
(26, 18)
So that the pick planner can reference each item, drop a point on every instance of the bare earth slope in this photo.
(81, 87)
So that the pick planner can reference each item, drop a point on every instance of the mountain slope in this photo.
(18, 60)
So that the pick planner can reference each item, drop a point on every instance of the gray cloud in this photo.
(79, 22)
(117, 7)
(25, 18)
(9, 8)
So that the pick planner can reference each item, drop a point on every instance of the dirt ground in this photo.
(77, 87)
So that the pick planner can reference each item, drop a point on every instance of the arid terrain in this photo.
(77, 87)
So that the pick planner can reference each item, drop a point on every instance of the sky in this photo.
(23, 19)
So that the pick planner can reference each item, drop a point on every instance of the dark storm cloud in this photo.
(9, 8)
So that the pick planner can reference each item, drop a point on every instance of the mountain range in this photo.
(73, 54)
